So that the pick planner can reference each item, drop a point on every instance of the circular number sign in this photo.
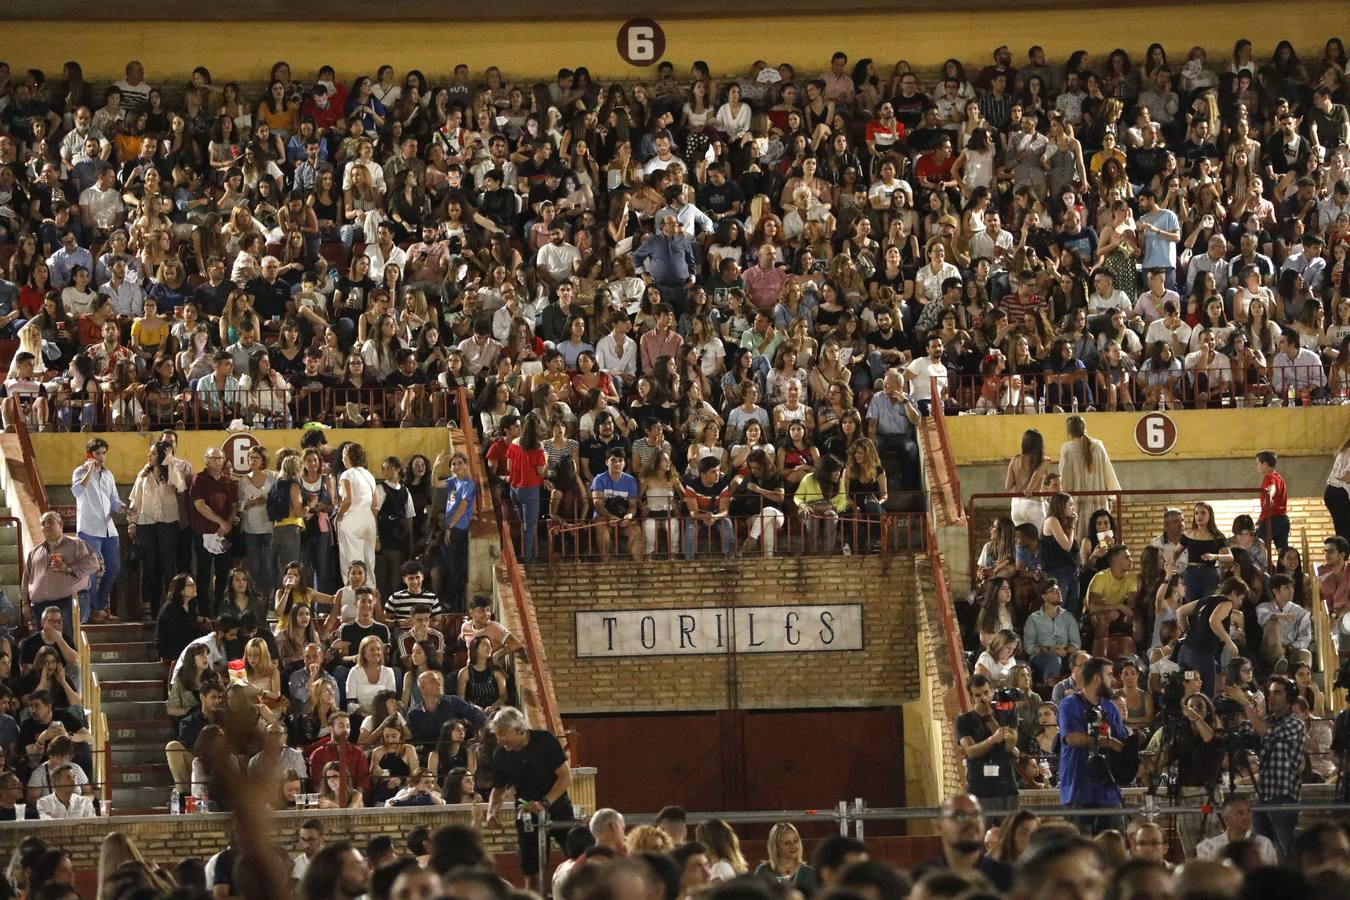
(1155, 433)
(641, 42)
(236, 448)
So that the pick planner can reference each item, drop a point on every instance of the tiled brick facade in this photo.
(885, 673)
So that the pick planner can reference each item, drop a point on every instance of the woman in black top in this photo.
(867, 488)
(1206, 626)
(1203, 543)
(481, 682)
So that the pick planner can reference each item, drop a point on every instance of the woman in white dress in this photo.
(356, 511)
(1085, 471)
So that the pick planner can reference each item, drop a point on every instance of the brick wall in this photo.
(942, 707)
(884, 673)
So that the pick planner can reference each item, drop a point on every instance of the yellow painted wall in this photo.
(1201, 434)
(59, 454)
(528, 49)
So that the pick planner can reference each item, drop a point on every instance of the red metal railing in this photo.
(947, 611)
(667, 537)
(1034, 392)
(30, 459)
(940, 426)
(520, 596)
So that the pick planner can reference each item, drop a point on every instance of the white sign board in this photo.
(717, 629)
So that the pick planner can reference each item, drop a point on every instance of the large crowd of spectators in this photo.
(1151, 232)
(1193, 653)
(684, 308)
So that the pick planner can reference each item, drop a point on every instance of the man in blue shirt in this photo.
(1160, 230)
(1081, 783)
(614, 494)
(461, 493)
(668, 257)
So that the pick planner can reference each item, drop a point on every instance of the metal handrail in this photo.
(952, 635)
(543, 679)
(35, 478)
(940, 426)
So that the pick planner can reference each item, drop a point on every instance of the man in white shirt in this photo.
(1295, 368)
(557, 261)
(73, 144)
(616, 354)
(126, 295)
(385, 252)
(1286, 627)
(101, 206)
(920, 373)
(995, 243)
(64, 802)
(663, 158)
(1105, 296)
(1171, 328)
(96, 499)
(1237, 817)
(309, 841)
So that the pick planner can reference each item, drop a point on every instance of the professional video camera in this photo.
(1005, 706)
(1343, 677)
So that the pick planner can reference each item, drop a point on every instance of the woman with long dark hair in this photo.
(152, 520)
(1026, 476)
(526, 464)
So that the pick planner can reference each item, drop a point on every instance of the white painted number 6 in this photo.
(641, 43)
(1155, 434)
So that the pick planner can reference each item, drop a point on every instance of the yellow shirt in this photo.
(1110, 593)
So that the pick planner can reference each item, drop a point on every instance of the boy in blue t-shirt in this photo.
(614, 493)
(461, 494)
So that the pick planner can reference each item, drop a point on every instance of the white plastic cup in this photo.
(20, 811)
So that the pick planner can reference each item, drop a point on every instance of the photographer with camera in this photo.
(1090, 727)
(1205, 622)
(1189, 739)
(1280, 779)
(988, 738)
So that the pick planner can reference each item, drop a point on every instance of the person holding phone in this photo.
(96, 501)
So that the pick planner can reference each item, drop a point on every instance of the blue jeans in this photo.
(101, 584)
(1200, 581)
(721, 526)
(262, 565)
(1194, 661)
(526, 503)
(1278, 827)
(1047, 667)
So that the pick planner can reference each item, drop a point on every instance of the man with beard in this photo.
(962, 832)
(1089, 723)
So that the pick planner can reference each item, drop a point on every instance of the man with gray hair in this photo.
(57, 567)
(533, 762)
(608, 829)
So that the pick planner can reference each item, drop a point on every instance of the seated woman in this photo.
(263, 676)
(337, 792)
(1160, 377)
(797, 457)
(392, 763)
(757, 496)
(453, 750)
(562, 477)
(662, 493)
(1138, 702)
(793, 409)
(752, 439)
(421, 791)
(1066, 379)
(316, 722)
(867, 491)
(706, 444)
(997, 662)
(1042, 747)
(480, 681)
(821, 498)
(385, 712)
(49, 674)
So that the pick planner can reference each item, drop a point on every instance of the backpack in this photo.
(279, 500)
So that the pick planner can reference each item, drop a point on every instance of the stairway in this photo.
(133, 691)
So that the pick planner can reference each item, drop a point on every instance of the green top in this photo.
(804, 879)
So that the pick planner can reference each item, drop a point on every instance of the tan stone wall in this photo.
(884, 673)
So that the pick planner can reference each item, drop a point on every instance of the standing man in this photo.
(1160, 230)
(668, 257)
(96, 500)
(990, 750)
(213, 496)
(1280, 779)
(533, 762)
(1088, 724)
(461, 492)
(56, 569)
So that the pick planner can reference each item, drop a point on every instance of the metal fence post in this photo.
(542, 837)
(859, 807)
(842, 813)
